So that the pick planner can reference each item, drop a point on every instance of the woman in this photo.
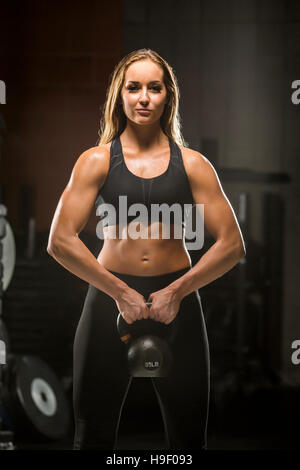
(141, 155)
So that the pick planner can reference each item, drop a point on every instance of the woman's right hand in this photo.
(132, 306)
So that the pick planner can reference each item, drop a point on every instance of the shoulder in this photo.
(100, 152)
(93, 163)
(196, 164)
(94, 156)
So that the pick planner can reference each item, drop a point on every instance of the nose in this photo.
(144, 98)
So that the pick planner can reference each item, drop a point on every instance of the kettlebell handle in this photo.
(124, 328)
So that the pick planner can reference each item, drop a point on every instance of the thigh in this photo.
(184, 394)
(100, 377)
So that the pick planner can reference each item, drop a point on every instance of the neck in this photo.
(143, 137)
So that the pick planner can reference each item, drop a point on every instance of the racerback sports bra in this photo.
(170, 187)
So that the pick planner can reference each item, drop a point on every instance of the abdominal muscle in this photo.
(143, 256)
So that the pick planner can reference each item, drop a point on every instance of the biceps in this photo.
(72, 212)
(220, 220)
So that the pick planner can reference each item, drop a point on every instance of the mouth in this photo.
(143, 112)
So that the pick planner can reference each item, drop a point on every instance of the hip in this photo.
(100, 311)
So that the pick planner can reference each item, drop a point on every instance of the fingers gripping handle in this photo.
(123, 326)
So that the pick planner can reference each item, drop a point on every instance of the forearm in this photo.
(73, 255)
(219, 259)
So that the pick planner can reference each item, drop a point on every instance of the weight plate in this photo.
(35, 399)
(43, 396)
(4, 346)
(9, 255)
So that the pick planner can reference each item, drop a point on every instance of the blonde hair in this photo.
(113, 119)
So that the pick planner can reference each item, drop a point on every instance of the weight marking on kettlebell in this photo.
(151, 364)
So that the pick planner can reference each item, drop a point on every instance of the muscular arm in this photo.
(71, 216)
(221, 223)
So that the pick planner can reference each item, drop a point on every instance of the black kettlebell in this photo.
(149, 355)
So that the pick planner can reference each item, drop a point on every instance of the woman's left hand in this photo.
(165, 305)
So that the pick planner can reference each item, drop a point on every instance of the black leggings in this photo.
(101, 380)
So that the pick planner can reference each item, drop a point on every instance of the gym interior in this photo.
(239, 71)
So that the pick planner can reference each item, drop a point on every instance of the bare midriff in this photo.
(143, 256)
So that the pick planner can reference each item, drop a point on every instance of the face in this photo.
(144, 89)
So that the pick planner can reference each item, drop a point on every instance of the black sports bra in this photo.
(170, 187)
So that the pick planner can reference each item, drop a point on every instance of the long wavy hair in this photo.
(113, 119)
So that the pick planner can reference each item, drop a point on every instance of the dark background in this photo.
(235, 63)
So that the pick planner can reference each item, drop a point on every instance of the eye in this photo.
(134, 87)
(131, 88)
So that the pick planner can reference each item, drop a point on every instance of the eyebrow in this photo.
(153, 81)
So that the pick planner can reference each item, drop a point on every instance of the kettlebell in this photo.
(148, 355)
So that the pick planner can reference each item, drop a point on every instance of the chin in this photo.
(142, 121)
